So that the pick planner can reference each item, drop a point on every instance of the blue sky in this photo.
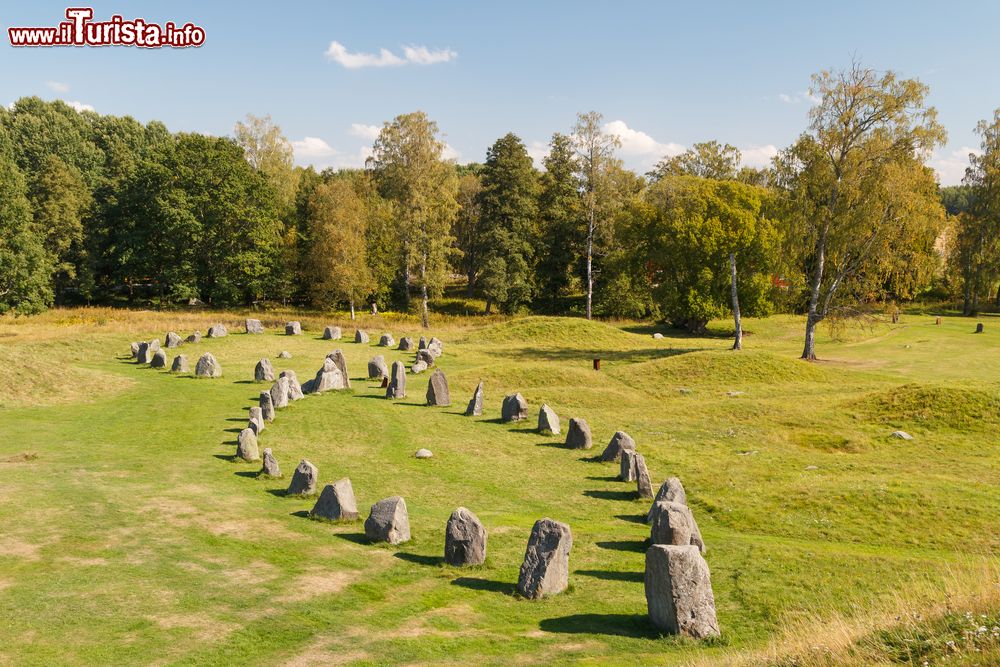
(664, 74)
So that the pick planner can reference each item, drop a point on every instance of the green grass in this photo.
(130, 536)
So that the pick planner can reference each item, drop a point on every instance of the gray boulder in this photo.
(671, 491)
(294, 388)
(336, 502)
(426, 357)
(386, 340)
(658, 336)
(464, 539)
(246, 445)
(146, 351)
(620, 441)
(406, 344)
(328, 378)
(643, 485)
(279, 392)
(422, 344)
(172, 340)
(434, 350)
(902, 435)
(360, 336)
(388, 521)
(338, 358)
(284, 354)
(437, 389)
(436, 342)
(397, 384)
(679, 592)
(303, 480)
(193, 338)
(207, 367)
(548, 420)
(418, 367)
(270, 467)
(423, 454)
(159, 359)
(293, 329)
(267, 406)
(217, 331)
(627, 471)
(180, 364)
(264, 371)
(578, 434)
(256, 420)
(545, 570)
(514, 408)
(253, 326)
(135, 349)
(332, 333)
(673, 523)
(377, 368)
(475, 408)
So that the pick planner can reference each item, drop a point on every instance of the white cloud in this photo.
(320, 155)
(58, 86)
(950, 166)
(798, 98)
(538, 150)
(758, 156)
(449, 152)
(79, 106)
(412, 55)
(365, 131)
(312, 148)
(644, 149)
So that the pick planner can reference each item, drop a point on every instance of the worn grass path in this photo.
(129, 536)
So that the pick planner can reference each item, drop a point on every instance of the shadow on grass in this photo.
(357, 538)
(610, 575)
(252, 474)
(232, 430)
(558, 445)
(225, 457)
(477, 584)
(419, 559)
(236, 419)
(632, 518)
(281, 493)
(250, 382)
(302, 514)
(638, 546)
(610, 495)
(610, 478)
(624, 625)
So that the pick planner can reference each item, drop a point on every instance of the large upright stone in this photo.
(332, 333)
(578, 434)
(294, 388)
(267, 406)
(435, 350)
(475, 408)
(270, 467)
(548, 420)
(264, 371)
(193, 338)
(246, 445)
(418, 367)
(207, 367)
(360, 336)
(672, 491)
(673, 523)
(146, 351)
(256, 420)
(377, 368)
(626, 470)
(253, 326)
(217, 330)
(406, 344)
(620, 441)
(386, 340)
(464, 539)
(328, 378)
(336, 502)
(514, 408)
(437, 389)
(303, 480)
(293, 329)
(426, 357)
(388, 521)
(338, 358)
(545, 570)
(159, 359)
(180, 364)
(642, 483)
(397, 384)
(172, 340)
(423, 343)
(135, 349)
(679, 592)
(279, 392)
(436, 343)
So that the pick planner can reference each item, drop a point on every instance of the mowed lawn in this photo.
(130, 536)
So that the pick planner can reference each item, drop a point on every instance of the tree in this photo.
(60, 199)
(560, 216)
(407, 165)
(595, 150)
(25, 266)
(708, 160)
(338, 267)
(508, 209)
(269, 152)
(856, 187)
(466, 229)
(978, 239)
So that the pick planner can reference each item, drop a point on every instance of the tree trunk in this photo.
(809, 353)
(425, 320)
(590, 265)
(352, 309)
(813, 318)
(996, 300)
(406, 277)
(489, 306)
(738, 340)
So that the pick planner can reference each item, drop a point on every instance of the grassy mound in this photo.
(925, 406)
(554, 331)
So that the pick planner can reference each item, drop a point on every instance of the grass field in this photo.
(130, 536)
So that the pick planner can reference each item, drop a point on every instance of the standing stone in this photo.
(406, 344)
(437, 389)
(270, 467)
(679, 592)
(332, 333)
(303, 480)
(514, 408)
(578, 434)
(386, 340)
(545, 570)
(328, 378)
(246, 445)
(256, 420)
(338, 358)
(135, 349)
(388, 521)
(293, 329)
(673, 523)
(643, 485)
(264, 371)
(207, 367)
(294, 388)
(464, 539)
(548, 420)
(434, 349)
(426, 357)
(279, 392)
(159, 359)
(284, 354)
(180, 364)
(360, 336)
(336, 502)
(172, 340)
(377, 368)
(266, 406)
(146, 351)
(475, 408)
(436, 342)
(217, 331)
(619, 441)
(670, 491)
(419, 367)
(979, 328)
(397, 385)
(193, 338)
(253, 326)
(423, 343)
(627, 472)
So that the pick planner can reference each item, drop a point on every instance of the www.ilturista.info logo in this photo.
(80, 30)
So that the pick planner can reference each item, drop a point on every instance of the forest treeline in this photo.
(849, 218)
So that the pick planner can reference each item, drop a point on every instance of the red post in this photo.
(597, 364)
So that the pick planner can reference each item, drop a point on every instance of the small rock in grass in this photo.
(902, 435)
(284, 354)
(423, 454)
(279, 393)
(418, 367)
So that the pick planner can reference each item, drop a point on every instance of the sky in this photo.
(663, 74)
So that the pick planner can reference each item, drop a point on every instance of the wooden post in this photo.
(938, 321)
(597, 364)
(979, 328)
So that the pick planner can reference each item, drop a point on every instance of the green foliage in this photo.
(25, 266)
(337, 262)
(60, 199)
(561, 219)
(707, 160)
